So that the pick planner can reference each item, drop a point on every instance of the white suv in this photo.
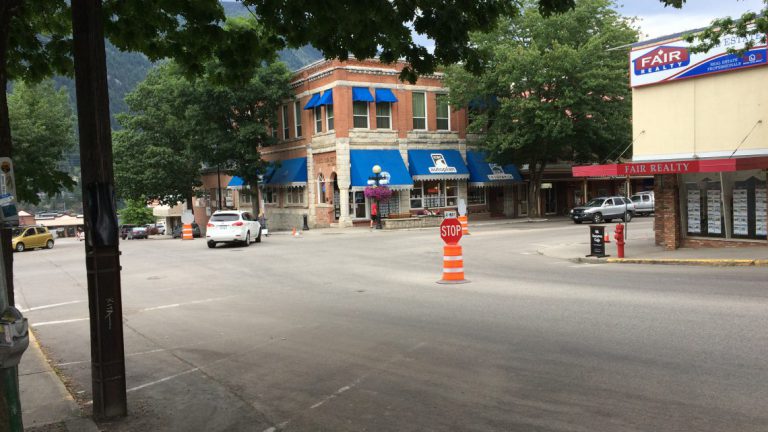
(232, 226)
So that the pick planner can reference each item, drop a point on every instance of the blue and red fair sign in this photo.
(673, 60)
(450, 231)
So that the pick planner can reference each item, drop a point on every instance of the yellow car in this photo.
(32, 237)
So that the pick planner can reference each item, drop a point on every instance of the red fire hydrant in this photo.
(619, 236)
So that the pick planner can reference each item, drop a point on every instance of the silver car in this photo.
(603, 209)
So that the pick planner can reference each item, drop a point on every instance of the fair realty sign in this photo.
(673, 60)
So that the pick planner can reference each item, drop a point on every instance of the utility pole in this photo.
(102, 256)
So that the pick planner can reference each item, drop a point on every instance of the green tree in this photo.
(136, 213)
(550, 89)
(154, 154)
(44, 127)
(232, 123)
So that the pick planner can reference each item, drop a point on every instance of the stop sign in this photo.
(450, 231)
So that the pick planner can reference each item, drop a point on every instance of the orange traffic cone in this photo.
(293, 233)
(607, 238)
(453, 265)
(464, 221)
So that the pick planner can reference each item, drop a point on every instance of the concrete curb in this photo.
(692, 261)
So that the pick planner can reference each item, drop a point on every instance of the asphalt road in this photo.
(350, 332)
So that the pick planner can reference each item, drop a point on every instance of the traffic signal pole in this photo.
(102, 256)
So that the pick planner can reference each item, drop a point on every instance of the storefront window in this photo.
(294, 196)
(270, 196)
(435, 194)
(390, 206)
(728, 204)
(476, 196)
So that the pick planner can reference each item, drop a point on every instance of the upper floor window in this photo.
(443, 113)
(329, 117)
(360, 114)
(297, 113)
(384, 115)
(285, 122)
(419, 110)
(318, 120)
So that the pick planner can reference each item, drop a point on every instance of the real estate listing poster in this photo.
(714, 214)
(740, 212)
(761, 209)
(694, 212)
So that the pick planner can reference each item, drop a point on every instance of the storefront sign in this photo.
(652, 168)
(440, 165)
(498, 173)
(597, 241)
(674, 60)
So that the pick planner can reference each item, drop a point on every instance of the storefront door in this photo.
(496, 201)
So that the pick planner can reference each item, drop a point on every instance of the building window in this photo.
(321, 198)
(384, 115)
(294, 196)
(329, 116)
(270, 196)
(297, 114)
(476, 196)
(360, 114)
(274, 132)
(443, 113)
(390, 206)
(318, 120)
(285, 122)
(419, 111)
(435, 194)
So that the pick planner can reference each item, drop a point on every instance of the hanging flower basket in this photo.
(380, 193)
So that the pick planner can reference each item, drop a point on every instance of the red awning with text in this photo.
(670, 167)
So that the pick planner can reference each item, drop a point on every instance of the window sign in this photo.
(694, 211)
(714, 213)
(761, 215)
(740, 212)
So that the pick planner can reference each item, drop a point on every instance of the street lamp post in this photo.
(376, 179)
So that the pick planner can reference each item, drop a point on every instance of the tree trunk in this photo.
(536, 171)
(7, 9)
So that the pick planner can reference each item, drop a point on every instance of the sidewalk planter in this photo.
(413, 222)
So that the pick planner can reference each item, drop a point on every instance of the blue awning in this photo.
(484, 173)
(235, 183)
(287, 173)
(361, 94)
(384, 95)
(437, 165)
(312, 101)
(327, 98)
(390, 161)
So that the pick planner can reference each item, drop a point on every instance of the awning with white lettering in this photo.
(639, 169)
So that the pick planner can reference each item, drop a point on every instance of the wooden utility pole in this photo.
(102, 256)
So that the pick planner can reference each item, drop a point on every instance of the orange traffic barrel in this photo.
(453, 265)
(186, 232)
(464, 221)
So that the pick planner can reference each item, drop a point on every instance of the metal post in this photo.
(102, 256)
(218, 185)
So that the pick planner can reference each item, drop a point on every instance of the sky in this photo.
(655, 20)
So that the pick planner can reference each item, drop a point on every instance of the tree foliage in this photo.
(44, 127)
(154, 154)
(136, 213)
(550, 89)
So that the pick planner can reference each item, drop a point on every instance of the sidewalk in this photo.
(46, 405)
(641, 249)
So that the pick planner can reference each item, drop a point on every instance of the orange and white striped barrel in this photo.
(186, 232)
(453, 265)
(464, 221)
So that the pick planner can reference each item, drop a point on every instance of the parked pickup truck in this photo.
(644, 203)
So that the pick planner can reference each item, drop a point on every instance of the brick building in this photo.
(347, 117)
(699, 123)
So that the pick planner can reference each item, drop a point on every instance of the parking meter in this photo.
(14, 337)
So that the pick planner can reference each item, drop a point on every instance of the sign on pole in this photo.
(462, 207)
(187, 217)
(450, 231)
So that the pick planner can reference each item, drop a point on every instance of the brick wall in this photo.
(666, 224)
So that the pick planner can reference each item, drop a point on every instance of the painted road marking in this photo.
(46, 323)
(50, 306)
